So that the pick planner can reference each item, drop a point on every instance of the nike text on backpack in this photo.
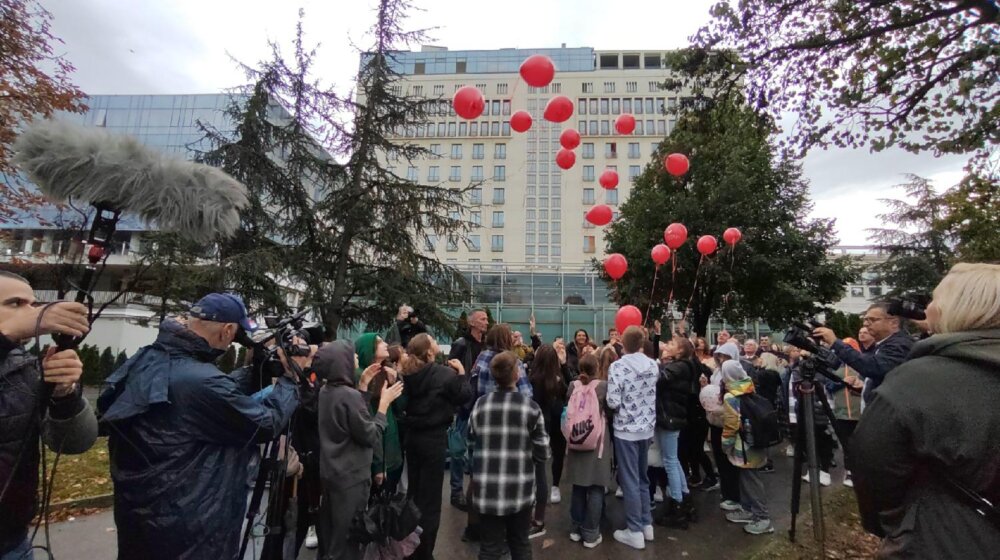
(583, 425)
(759, 426)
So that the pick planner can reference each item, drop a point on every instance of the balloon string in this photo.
(650, 303)
(694, 289)
(673, 279)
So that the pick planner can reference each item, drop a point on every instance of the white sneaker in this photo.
(647, 533)
(594, 544)
(658, 495)
(311, 540)
(575, 537)
(555, 497)
(619, 493)
(824, 478)
(634, 539)
(847, 480)
(790, 451)
(729, 505)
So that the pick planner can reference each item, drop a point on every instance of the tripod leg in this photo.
(809, 424)
(268, 457)
(798, 443)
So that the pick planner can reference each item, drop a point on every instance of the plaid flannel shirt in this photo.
(508, 431)
(484, 379)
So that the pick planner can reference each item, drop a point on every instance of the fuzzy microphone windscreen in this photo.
(68, 161)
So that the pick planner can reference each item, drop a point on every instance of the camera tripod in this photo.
(808, 393)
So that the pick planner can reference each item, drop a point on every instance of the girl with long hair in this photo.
(548, 378)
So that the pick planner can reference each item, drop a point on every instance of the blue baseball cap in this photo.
(223, 308)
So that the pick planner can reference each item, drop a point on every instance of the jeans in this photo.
(542, 489)
(425, 454)
(22, 551)
(676, 480)
(729, 474)
(512, 529)
(457, 449)
(585, 510)
(632, 463)
(753, 494)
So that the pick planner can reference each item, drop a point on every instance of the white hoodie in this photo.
(632, 395)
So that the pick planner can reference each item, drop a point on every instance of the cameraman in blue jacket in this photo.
(182, 433)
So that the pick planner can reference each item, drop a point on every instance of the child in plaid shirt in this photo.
(507, 430)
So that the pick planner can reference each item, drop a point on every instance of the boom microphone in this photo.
(116, 172)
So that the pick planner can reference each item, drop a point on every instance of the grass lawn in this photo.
(845, 539)
(81, 476)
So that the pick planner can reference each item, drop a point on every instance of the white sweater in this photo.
(632, 395)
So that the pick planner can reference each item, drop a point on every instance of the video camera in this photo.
(279, 334)
(910, 306)
(821, 360)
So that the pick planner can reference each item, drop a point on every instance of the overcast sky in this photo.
(184, 46)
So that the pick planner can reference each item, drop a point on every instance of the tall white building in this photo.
(528, 210)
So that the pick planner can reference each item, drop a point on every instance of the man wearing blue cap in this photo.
(181, 435)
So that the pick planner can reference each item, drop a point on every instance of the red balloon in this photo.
(600, 215)
(608, 179)
(625, 124)
(469, 102)
(707, 245)
(558, 109)
(675, 235)
(520, 121)
(628, 316)
(615, 265)
(565, 158)
(569, 138)
(538, 70)
(732, 236)
(677, 164)
(660, 254)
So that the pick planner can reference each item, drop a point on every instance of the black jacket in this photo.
(674, 389)
(182, 434)
(876, 362)
(408, 330)
(466, 349)
(433, 392)
(70, 427)
(935, 416)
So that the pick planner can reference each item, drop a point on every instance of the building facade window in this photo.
(456, 151)
(587, 151)
(633, 150)
(436, 149)
(654, 86)
(477, 172)
(611, 150)
(499, 173)
(611, 197)
(499, 196)
(588, 172)
(476, 218)
(439, 89)
(589, 245)
(588, 87)
(476, 196)
(631, 87)
(477, 151)
(498, 219)
(411, 174)
(455, 174)
(452, 245)
(474, 243)
(496, 243)
(609, 87)
(434, 173)
(501, 89)
(500, 151)
(588, 196)
(633, 172)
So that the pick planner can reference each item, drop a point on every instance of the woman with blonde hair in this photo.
(925, 454)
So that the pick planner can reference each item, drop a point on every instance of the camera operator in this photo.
(890, 349)
(182, 434)
(925, 454)
(70, 425)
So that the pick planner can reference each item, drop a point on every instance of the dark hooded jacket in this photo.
(347, 432)
(70, 427)
(935, 416)
(181, 436)
(674, 391)
(433, 393)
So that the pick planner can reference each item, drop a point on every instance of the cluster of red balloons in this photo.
(676, 235)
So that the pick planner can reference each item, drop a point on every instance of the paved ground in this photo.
(93, 537)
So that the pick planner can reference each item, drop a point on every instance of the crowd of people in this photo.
(513, 421)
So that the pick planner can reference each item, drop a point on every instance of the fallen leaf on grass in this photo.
(547, 543)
